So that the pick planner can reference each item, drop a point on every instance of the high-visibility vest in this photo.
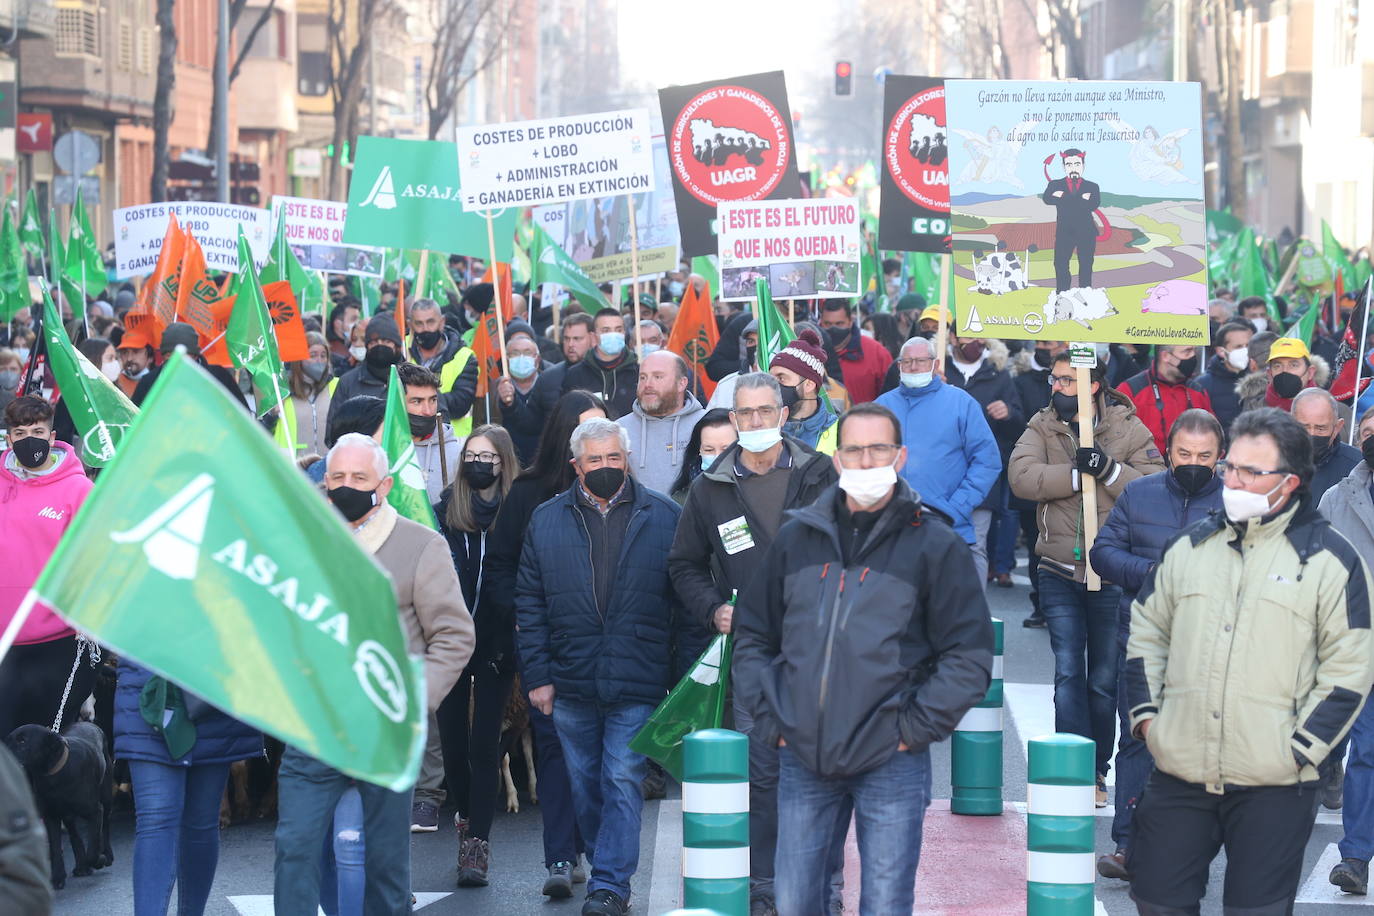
(285, 432)
(829, 439)
(448, 375)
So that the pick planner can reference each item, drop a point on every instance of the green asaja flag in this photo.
(14, 272)
(249, 336)
(57, 254)
(697, 702)
(408, 494)
(774, 331)
(549, 263)
(30, 227)
(84, 266)
(204, 557)
(100, 411)
(306, 285)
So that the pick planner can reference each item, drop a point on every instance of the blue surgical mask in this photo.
(759, 440)
(917, 379)
(522, 366)
(676, 287)
(651, 348)
(612, 343)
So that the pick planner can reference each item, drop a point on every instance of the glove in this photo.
(1096, 462)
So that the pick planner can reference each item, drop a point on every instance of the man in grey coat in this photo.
(661, 421)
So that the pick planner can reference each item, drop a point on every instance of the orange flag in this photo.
(157, 298)
(286, 321)
(196, 295)
(695, 334)
(217, 351)
(487, 350)
(504, 287)
(400, 309)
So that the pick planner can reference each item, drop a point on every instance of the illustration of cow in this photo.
(999, 273)
(1081, 305)
(714, 144)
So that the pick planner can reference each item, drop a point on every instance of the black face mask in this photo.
(604, 482)
(422, 426)
(1320, 446)
(428, 340)
(1186, 367)
(1191, 478)
(1043, 359)
(379, 359)
(1367, 449)
(838, 337)
(353, 504)
(1286, 385)
(31, 451)
(928, 335)
(750, 354)
(1065, 405)
(790, 397)
(479, 474)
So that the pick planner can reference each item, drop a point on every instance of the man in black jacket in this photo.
(1230, 360)
(609, 369)
(732, 514)
(866, 615)
(384, 349)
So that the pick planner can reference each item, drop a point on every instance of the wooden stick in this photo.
(1089, 483)
(942, 333)
(634, 279)
(496, 289)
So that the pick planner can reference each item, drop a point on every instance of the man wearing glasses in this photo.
(1249, 658)
(732, 514)
(1048, 466)
(863, 639)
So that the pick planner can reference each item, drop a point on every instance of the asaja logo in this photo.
(171, 535)
(380, 677)
(383, 193)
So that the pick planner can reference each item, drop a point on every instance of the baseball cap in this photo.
(1288, 348)
(934, 313)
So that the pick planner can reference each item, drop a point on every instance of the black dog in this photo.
(73, 783)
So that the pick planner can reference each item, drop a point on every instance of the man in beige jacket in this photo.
(438, 628)
(1249, 658)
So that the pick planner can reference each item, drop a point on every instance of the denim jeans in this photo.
(1083, 637)
(889, 808)
(1133, 759)
(1002, 535)
(176, 834)
(562, 842)
(308, 794)
(342, 875)
(1357, 807)
(605, 776)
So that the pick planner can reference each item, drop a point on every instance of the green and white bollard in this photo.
(715, 821)
(1059, 825)
(694, 913)
(976, 748)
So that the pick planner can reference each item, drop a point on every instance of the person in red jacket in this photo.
(863, 361)
(42, 485)
(1161, 392)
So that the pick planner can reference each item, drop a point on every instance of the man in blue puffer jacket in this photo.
(599, 622)
(1147, 516)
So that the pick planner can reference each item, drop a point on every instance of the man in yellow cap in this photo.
(929, 324)
(1290, 370)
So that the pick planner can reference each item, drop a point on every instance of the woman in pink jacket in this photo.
(42, 485)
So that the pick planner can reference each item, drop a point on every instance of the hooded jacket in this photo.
(356, 381)
(1349, 507)
(1332, 467)
(439, 464)
(220, 738)
(34, 514)
(704, 572)
(1158, 403)
(952, 457)
(657, 444)
(617, 385)
(1043, 470)
(844, 661)
(989, 382)
(863, 365)
(1253, 389)
(1250, 650)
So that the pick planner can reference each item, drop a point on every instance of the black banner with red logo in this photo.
(727, 140)
(914, 215)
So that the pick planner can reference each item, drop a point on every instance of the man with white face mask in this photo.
(1249, 659)
(868, 605)
(1230, 360)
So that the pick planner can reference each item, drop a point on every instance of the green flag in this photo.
(206, 558)
(408, 494)
(249, 336)
(697, 702)
(1334, 254)
(925, 275)
(100, 411)
(1221, 225)
(368, 292)
(30, 227)
(1306, 323)
(774, 331)
(84, 266)
(1252, 279)
(704, 265)
(14, 270)
(551, 264)
(60, 280)
(282, 264)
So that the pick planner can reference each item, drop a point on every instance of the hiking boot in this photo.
(579, 874)
(460, 824)
(1100, 799)
(424, 818)
(1113, 866)
(558, 885)
(1333, 787)
(605, 902)
(655, 784)
(1036, 621)
(474, 856)
(1351, 876)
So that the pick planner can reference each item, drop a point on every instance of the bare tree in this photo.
(236, 8)
(162, 97)
(977, 26)
(469, 36)
(350, 43)
(1065, 35)
(1226, 21)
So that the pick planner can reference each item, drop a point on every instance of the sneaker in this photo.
(760, 907)
(1113, 866)
(1004, 580)
(1101, 797)
(424, 818)
(474, 857)
(579, 873)
(1333, 787)
(605, 902)
(460, 824)
(1351, 876)
(558, 885)
(1036, 621)
(655, 784)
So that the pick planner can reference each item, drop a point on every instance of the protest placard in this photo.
(727, 140)
(1077, 210)
(555, 160)
(914, 215)
(138, 233)
(315, 228)
(802, 247)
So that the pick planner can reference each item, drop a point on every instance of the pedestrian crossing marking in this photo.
(261, 904)
(1319, 889)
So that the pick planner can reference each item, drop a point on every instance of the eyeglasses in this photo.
(481, 456)
(747, 414)
(881, 452)
(914, 363)
(1062, 381)
(1245, 476)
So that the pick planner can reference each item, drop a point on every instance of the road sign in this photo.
(76, 152)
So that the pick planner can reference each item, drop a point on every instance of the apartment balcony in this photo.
(31, 18)
(1283, 45)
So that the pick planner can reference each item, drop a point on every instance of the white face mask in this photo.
(651, 348)
(112, 369)
(917, 379)
(1261, 324)
(759, 440)
(867, 485)
(1242, 505)
(358, 353)
(1239, 358)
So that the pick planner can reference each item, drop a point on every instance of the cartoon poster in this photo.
(914, 215)
(727, 140)
(1077, 210)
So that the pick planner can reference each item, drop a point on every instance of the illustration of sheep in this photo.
(1080, 305)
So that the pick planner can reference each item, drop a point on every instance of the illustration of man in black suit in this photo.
(1074, 199)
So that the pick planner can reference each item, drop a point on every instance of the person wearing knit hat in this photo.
(908, 312)
(370, 377)
(800, 370)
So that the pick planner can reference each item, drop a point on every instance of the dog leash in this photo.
(82, 645)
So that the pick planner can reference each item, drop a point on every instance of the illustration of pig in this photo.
(1081, 305)
(1176, 297)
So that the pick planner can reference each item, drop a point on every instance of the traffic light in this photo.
(844, 78)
